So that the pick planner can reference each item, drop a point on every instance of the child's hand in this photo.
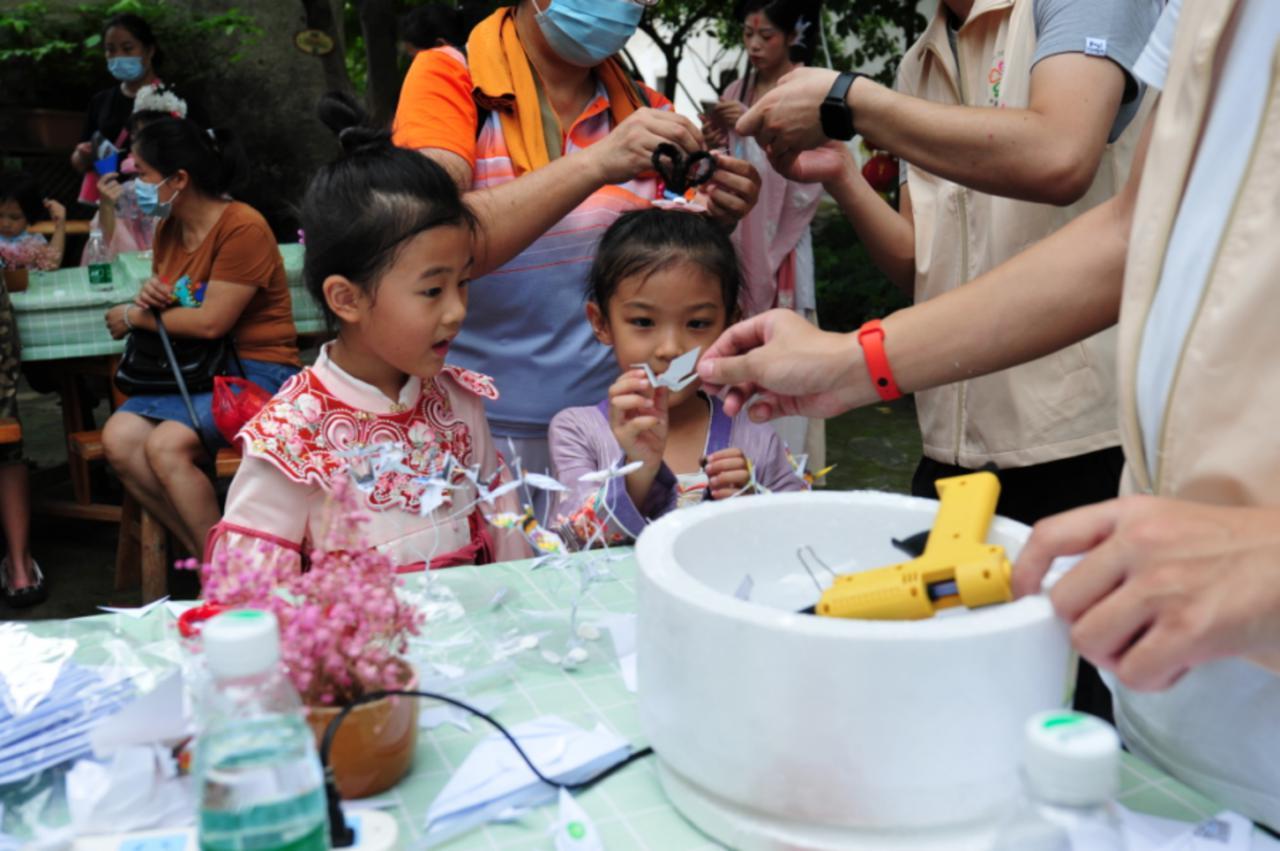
(109, 188)
(638, 418)
(57, 212)
(728, 473)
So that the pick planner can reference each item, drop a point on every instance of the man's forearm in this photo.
(514, 215)
(1015, 153)
(1058, 292)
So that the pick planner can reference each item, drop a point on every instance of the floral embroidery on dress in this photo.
(313, 437)
(476, 382)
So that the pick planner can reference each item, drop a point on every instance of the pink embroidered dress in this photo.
(309, 434)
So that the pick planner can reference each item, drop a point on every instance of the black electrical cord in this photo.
(342, 836)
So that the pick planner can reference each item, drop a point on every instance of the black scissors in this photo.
(680, 173)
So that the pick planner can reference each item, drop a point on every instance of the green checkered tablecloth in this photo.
(472, 614)
(61, 315)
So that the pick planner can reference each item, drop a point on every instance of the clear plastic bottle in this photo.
(98, 258)
(1071, 771)
(257, 771)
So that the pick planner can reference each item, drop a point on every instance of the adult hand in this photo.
(732, 192)
(115, 319)
(787, 118)
(794, 367)
(727, 473)
(638, 418)
(57, 212)
(827, 164)
(155, 293)
(109, 188)
(712, 134)
(628, 149)
(1165, 585)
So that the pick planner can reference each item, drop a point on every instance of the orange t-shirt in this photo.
(239, 250)
(437, 108)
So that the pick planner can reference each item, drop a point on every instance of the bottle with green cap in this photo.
(1071, 773)
(257, 772)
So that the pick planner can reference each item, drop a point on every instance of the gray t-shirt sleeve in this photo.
(1115, 29)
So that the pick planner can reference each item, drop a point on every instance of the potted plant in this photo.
(16, 259)
(343, 634)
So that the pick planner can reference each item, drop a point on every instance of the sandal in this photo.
(32, 595)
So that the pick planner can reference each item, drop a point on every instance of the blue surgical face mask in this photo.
(125, 68)
(587, 32)
(148, 195)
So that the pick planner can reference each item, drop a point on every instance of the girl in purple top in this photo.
(663, 283)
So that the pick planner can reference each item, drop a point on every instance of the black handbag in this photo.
(146, 369)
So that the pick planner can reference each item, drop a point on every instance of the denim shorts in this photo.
(268, 376)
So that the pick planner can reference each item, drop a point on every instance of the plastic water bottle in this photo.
(1071, 771)
(99, 259)
(256, 766)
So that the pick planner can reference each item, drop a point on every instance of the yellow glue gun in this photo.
(958, 567)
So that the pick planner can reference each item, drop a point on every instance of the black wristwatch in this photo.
(837, 116)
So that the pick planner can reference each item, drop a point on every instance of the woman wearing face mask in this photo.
(227, 253)
(551, 141)
(773, 240)
(132, 56)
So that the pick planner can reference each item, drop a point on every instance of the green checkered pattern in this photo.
(464, 630)
(61, 315)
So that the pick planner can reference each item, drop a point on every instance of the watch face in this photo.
(837, 123)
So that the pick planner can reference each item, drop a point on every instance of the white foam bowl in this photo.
(776, 729)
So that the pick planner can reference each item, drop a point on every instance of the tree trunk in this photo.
(319, 15)
(378, 23)
(673, 73)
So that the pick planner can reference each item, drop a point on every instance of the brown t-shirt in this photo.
(239, 250)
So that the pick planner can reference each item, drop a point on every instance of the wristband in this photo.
(127, 323)
(871, 338)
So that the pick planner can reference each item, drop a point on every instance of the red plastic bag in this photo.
(232, 409)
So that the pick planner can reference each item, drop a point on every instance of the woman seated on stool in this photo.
(184, 177)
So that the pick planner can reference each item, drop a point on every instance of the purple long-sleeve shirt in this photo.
(582, 442)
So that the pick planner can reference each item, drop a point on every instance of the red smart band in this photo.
(871, 338)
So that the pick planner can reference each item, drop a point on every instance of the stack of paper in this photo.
(56, 729)
(493, 783)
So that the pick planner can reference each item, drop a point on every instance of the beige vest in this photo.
(1218, 441)
(1218, 729)
(1058, 406)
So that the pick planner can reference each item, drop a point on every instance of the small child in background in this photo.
(123, 224)
(21, 206)
(388, 256)
(663, 283)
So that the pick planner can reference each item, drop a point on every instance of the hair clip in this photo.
(680, 174)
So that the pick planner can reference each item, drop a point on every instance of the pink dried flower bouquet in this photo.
(343, 629)
(27, 254)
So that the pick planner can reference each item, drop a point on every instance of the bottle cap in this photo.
(1071, 758)
(241, 643)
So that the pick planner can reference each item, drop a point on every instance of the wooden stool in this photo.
(143, 551)
(10, 431)
(83, 448)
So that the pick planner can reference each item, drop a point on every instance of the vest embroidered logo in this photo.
(996, 76)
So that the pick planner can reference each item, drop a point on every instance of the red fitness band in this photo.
(871, 338)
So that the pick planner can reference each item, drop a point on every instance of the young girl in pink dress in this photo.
(388, 255)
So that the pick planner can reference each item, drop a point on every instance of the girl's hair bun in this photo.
(342, 114)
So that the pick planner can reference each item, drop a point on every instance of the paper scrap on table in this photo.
(494, 780)
(153, 718)
(136, 612)
(138, 789)
(29, 667)
(1226, 831)
(574, 829)
(438, 716)
(622, 629)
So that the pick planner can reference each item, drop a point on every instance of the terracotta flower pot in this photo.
(374, 746)
(15, 280)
